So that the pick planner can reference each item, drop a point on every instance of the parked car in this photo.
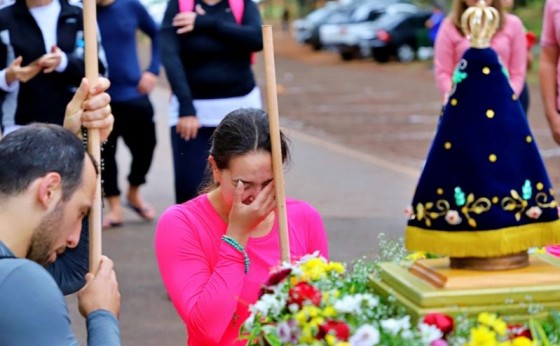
(344, 36)
(304, 28)
(398, 35)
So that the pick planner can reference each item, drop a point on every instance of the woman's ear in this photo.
(216, 174)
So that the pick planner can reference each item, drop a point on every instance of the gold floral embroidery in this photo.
(477, 207)
(542, 200)
(514, 203)
(425, 212)
(430, 211)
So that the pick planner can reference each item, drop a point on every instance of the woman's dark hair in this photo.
(244, 131)
(241, 132)
(35, 150)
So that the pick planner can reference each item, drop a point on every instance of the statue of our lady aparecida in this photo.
(484, 197)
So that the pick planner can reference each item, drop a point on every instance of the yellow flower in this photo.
(493, 321)
(336, 267)
(415, 256)
(342, 344)
(500, 327)
(329, 311)
(486, 318)
(482, 336)
(330, 339)
(306, 335)
(316, 322)
(301, 317)
(314, 269)
(293, 281)
(522, 341)
(311, 310)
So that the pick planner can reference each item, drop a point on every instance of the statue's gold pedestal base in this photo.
(431, 286)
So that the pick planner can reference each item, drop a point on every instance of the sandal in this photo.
(145, 212)
(108, 223)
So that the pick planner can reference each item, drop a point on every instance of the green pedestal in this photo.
(519, 297)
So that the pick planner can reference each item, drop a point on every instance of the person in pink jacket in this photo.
(549, 74)
(216, 251)
(509, 42)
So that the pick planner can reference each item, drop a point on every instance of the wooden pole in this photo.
(274, 123)
(93, 145)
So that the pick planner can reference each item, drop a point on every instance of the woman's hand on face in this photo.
(244, 217)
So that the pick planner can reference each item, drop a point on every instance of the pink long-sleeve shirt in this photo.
(550, 35)
(205, 277)
(509, 43)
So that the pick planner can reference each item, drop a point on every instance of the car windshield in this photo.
(366, 13)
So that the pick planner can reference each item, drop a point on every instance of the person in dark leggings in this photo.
(132, 108)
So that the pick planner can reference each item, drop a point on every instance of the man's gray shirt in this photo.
(33, 310)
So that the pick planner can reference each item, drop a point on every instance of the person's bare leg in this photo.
(136, 202)
(114, 216)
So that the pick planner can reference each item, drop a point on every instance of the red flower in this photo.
(278, 277)
(337, 328)
(274, 280)
(518, 330)
(304, 292)
(441, 321)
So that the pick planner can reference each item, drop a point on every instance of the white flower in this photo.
(347, 305)
(366, 335)
(429, 333)
(452, 217)
(309, 257)
(268, 304)
(249, 322)
(394, 326)
(534, 212)
(293, 308)
(354, 303)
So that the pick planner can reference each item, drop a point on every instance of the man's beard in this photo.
(40, 248)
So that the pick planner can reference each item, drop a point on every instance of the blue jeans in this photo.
(190, 159)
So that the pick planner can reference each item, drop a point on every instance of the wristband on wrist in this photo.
(235, 244)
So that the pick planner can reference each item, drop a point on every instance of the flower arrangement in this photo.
(316, 302)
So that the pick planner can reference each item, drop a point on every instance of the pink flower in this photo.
(441, 321)
(553, 250)
(439, 342)
(534, 212)
(408, 212)
(452, 217)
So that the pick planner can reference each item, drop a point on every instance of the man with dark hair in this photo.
(47, 185)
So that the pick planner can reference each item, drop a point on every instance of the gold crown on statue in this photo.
(479, 24)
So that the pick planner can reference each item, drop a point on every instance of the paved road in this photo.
(359, 135)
